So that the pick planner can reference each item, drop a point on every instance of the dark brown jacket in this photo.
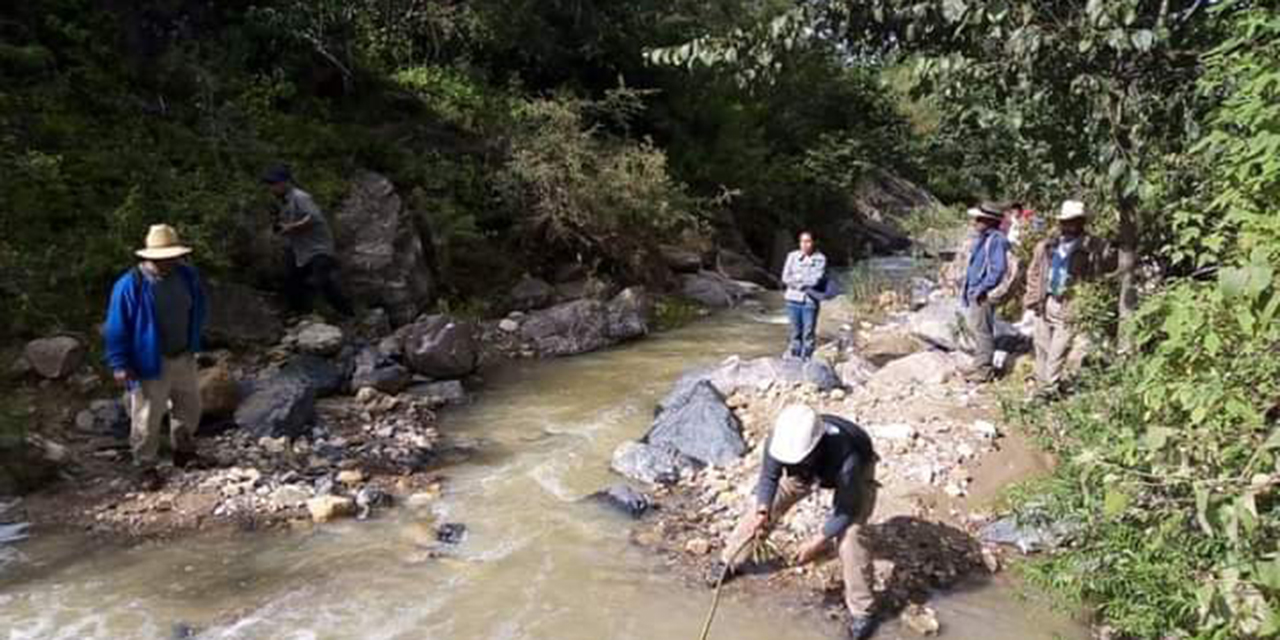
(1093, 259)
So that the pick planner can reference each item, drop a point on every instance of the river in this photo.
(535, 564)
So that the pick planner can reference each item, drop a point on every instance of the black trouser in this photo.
(319, 273)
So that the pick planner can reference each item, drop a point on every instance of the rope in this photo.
(715, 603)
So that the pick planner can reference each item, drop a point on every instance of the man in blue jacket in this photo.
(988, 260)
(153, 327)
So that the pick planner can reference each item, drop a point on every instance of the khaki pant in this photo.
(855, 562)
(150, 399)
(981, 321)
(1054, 339)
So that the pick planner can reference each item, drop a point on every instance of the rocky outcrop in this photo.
(736, 374)
(55, 358)
(532, 293)
(700, 426)
(384, 260)
(736, 266)
(649, 464)
(441, 347)
(282, 407)
(587, 325)
(240, 317)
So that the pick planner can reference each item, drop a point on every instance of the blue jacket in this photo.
(980, 278)
(132, 334)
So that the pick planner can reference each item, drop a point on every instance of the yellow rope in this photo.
(715, 603)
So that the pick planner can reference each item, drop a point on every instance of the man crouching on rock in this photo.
(804, 450)
(152, 334)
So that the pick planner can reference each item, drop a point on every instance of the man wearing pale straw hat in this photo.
(153, 327)
(988, 263)
(1061, 262)
(807, 450)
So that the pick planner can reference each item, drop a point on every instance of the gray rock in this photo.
(240, 316)
(441, 347)
(323, 376)
(680, 260)
(736, 374)
(55, 358)
(282, 407)
(318, 338)
(709, 289)
(582, 326)
(926, 367)
(375, 370)
(448, 391)
(1027, 537)
(938, 324)
(649, 464)
(700, 425)
(384, 249)
(13, 532)
(104, 417)
(532, 293)
(737, 266)
(623, 498)
(855, 371)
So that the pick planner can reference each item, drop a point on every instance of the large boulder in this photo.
(736, 374)
(281, 407)
(325, 377)
(441, 347)
(586, 325)
(701, 426)
(532, 293)
(926, 367)
(709, 289)
(240, 316)
(650, 464)
(56, 357)
(384, 256)
(737, 266)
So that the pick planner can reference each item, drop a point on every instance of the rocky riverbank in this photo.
(944, 460)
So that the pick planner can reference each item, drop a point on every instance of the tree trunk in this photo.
(1127, 265)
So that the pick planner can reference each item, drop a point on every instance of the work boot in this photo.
(719, 573)
(862, 627)
(149, 479)
(190, 460)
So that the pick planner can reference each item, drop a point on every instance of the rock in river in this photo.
(648, 463)
(701, 427)
(586, 325)
(441, 347)
(736, 374)
(623, 498)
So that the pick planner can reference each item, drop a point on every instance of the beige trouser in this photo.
(150, 399)
(1054, 338)
(855, 562)
(980, 320)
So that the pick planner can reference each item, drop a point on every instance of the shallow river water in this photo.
(535, 563)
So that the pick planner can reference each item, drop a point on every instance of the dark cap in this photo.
(277, 174)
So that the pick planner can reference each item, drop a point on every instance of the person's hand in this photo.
(122, 376)
(812, 550)
(982, 298)
(760, 521)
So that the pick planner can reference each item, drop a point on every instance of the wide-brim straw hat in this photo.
(796, 433)
(988, 211)
(162, 244)
(1072, 210)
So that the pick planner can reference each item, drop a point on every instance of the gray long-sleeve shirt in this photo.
(314, 239)
(837, 463)
(802, 272)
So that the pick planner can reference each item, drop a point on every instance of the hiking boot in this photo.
(862, 627)
(191, 461)
(149, 479)
(719, 573)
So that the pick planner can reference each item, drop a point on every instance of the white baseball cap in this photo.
(1072, 209)
(796, 433)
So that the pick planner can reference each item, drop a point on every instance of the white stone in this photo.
(985, 429)
(507, 325)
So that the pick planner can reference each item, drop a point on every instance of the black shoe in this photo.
(191, 460)
(862, 627)
(719, 573)
(149, 479)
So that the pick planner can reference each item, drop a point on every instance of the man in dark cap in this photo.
(312, 264)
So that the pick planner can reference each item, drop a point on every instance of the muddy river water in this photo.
(535, 563)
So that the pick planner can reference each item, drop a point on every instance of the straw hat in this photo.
(162, 244)
(988, 210)
(1071, 210)
(796, 433)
